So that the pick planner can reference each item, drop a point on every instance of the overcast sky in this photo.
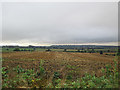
(60, 23)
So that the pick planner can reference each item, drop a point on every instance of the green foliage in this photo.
(24, 77)
(4, 72)
(19, 69)
(65, 50)
(48, 50)
(101, 52)
(70, 67)
(56, 75)
(16, 49)
(69, 77)
(42, 70)
(108, 80)
(28, 78)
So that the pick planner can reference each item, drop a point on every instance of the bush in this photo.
(48, 50)
(65, 50)
(78, 50)
(16, 49)
(101, 52)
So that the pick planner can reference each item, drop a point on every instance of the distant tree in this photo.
(7, 49)
(88, 50)
(101, 52)
(48, 50)
(16, 49)
(119, 50)
(34, 49)
(118, 53)
(97, 51)
(108, 51)
(65, 50)
(82, 48)
(30, 46)
(93, 51)
(81, 51)
(24, 50)
(113, 54)
(78, 50)
(85, 51)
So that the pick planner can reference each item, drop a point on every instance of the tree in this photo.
(93, 51)
(78, 50)
(16, 49)
(65, 50)
(101, 52)
(88, 50)
(85, 51)
(81, 51)
(34, 49)
(48, 49)
(118, 53)
(108, 51)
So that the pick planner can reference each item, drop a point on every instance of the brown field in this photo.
(58, 62)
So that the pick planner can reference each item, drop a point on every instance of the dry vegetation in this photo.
(66, 63)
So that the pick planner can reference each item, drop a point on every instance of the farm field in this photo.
(55, 69)
(58, 50)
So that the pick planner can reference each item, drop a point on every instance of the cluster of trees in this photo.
(82, 50)
(48, 50)
(18, 49)
(80, 46)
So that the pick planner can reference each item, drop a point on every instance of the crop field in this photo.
(58, 50)
(41, 69)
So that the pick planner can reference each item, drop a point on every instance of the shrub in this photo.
(78, 50)
(16, 49)
(101, 52)
(65, 50)
(48, 50)
(93, 51)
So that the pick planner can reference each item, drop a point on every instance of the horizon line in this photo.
(62, 44)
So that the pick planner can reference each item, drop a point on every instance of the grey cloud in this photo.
(60, 22)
